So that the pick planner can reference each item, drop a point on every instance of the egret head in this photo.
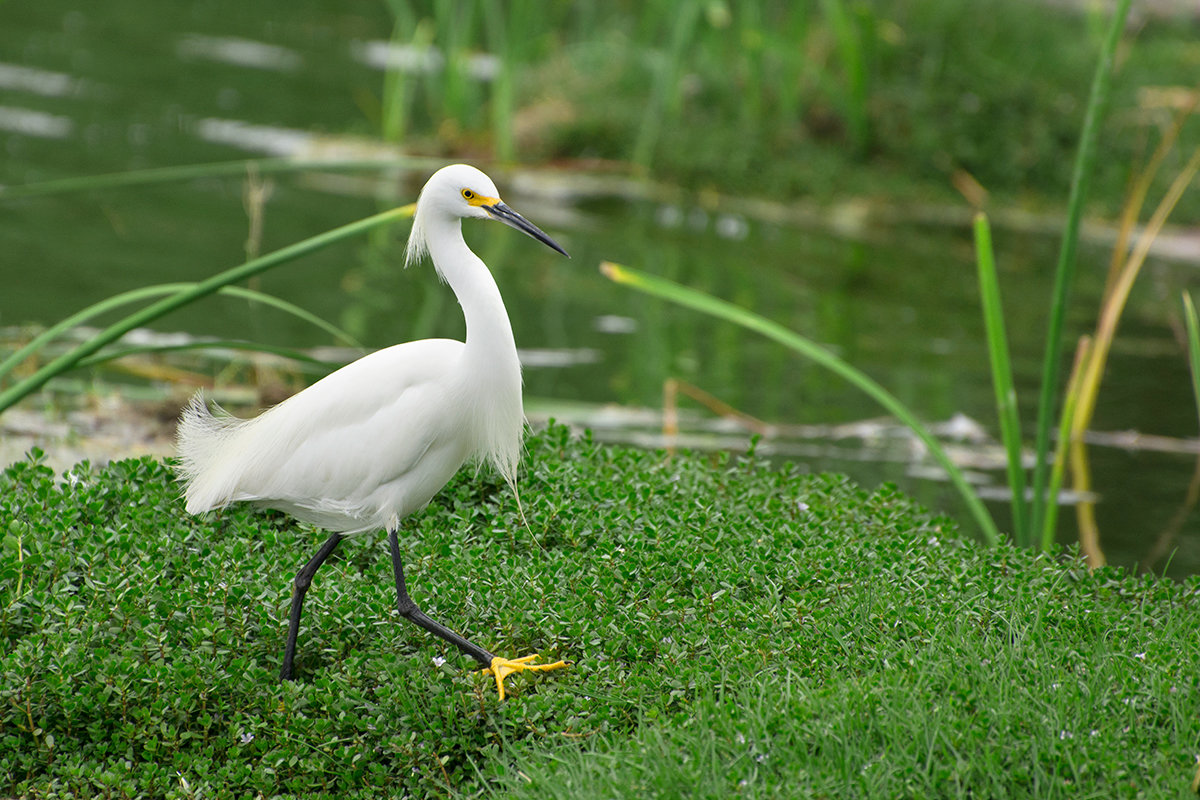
(459, 191)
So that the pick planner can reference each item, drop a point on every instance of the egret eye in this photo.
(468, 194)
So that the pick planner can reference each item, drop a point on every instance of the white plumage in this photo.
(363, 448)
(374, 441)
(377, 439)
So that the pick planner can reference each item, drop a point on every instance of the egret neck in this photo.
(489, 334)
(489, 364)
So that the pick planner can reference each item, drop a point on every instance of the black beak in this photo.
(509, 217)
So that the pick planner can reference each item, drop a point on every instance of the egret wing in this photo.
(360, 448)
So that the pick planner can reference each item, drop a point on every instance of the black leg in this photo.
(408, 610)
(299, 589)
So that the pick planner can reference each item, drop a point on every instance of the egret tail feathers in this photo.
(202, 440)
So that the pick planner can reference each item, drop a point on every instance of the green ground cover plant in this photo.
(737, 630)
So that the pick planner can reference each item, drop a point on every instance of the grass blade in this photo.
(664, 90)
(721, 309)
(146, 292)
(78, 318)
(287, 307)
(849, 29)
(202, 289)
(1002, 377)
(185, 172)
(1085, 159)
(1193, 340)
(503, 99)
(212, 344)
(1083, 354)
(1120, 284)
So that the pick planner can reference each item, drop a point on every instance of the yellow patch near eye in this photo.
(476, 199)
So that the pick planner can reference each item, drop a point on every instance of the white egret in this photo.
(375, 441)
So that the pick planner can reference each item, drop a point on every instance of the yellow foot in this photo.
(503, 667)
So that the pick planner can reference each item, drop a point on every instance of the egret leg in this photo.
(408, 609)
(299, 589)
(499, 667)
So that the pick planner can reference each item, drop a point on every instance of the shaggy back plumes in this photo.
(202, 442)
(418, 244)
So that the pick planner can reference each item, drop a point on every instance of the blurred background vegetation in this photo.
(819, 99)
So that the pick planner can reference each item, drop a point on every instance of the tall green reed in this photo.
(665, 90)
(503, 95)
(1027, 520)
(1193, 341)
(853, 32)
(1127, 266)
(1084, 165)
(458, 93)
(721, 309)
(1002, 378)
(398, 93)
(1079, 399)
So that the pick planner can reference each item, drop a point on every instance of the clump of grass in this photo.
(735, 629)
(1080, 398)
(1125, 269)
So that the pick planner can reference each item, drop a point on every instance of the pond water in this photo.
(133, 86)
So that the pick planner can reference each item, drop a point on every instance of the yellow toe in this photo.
(503, 667)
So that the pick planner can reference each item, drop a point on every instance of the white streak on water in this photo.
(35, 123)
(422, 60)
(259, 138)
(17, 78)
(239, 52)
